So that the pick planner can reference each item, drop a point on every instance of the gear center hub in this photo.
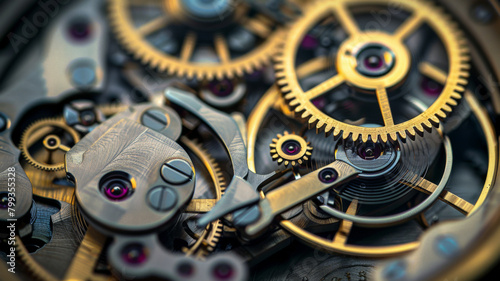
(206, 10)
(373, 59)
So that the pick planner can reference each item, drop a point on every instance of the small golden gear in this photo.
(174, 13)
(290, 149)
(396, 55)
(43, 139)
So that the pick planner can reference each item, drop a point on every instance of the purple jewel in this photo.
(291, 147)
(309, 42)
(116, 190)
(4, 200)
(319, 102)
(373, 62)
(80, 29)
(223, 271)
(431, 87)
(185, 269)
(134, 254)
(221, 88)
(370, 151)
(328, 175)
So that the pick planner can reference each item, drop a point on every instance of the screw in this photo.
(447, 245)
(83, 73)
(3, 123)
(395, 270)
(162, 198)
(177, 171)
(482, 13)
(4, 200)
(154, 119)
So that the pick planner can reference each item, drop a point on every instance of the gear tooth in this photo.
(446, 108)
(293, 103)
(311, 123)
(419, 129)
(305, 114)
(337, 132)
(287, 162)
(280, 160)
(462, 82)
(286, 89)
(328, 127)
(402, 135)
(393, 136)
(456, 96)
(363, 137)
(289, 97)
(427, 126)
(459, 88)
(320, 126)
(452, 102)
(411, 134)
(464, 74)
(441, 115)
(435, 121)
(275, 156)
(384, 138)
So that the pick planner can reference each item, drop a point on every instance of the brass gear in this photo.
(133, 39)
(301, 101)
(299, 152)
(42, 129)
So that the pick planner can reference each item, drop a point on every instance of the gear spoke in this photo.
(409, 26)
(346, 20)
(188, 47)
(222, 49)
(324, 87)
(257, 27)
(432, 72)
(385, 108)
(87, 256)
(153, 26)
(446, 196)
(200, 205)
(345, 225)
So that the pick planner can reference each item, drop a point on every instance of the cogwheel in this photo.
(182, 28)
(378, 74)
(290, 149)
(43, 139)
(208, 240)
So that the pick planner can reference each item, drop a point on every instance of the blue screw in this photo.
(395, 270)
(447, 245)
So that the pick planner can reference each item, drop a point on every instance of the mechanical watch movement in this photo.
(232, 140)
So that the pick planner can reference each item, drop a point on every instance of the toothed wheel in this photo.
(374, 64)
(290, 149)
(197, 39)
(45, 142)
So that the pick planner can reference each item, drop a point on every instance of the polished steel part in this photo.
(124, 146)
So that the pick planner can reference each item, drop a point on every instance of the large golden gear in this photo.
(421, 12)
(133, 40)
(46, 129)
